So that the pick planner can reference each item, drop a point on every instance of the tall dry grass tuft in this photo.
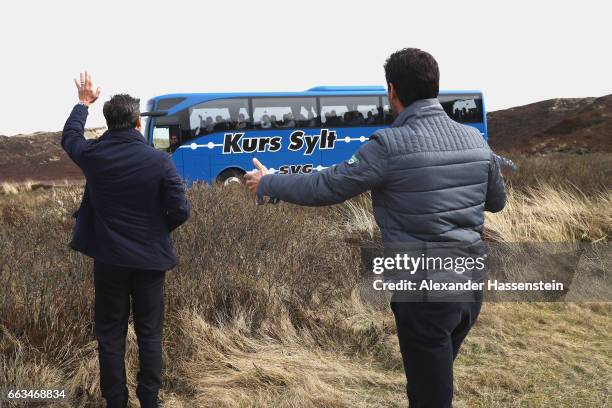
(552, 214)
(537, 214)
(10, 189)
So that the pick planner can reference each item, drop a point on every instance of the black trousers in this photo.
(114, 287)
(430, 335)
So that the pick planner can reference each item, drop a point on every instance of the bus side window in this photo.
(463, 108)
(348, 111)
(278, 112)
(386, 111)
(220, 115)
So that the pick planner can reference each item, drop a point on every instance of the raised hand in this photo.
(87, 95)
(252, 178)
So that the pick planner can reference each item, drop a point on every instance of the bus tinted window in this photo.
(351, 111)
(388, 117)
(464, 108)
(220, 115)
(285, 112)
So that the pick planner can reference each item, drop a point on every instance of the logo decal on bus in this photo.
(295, 168)
(326, 140)
(298, 140)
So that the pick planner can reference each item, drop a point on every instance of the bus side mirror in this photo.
(154, 114)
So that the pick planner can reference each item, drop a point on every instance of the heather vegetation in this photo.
(265, 309)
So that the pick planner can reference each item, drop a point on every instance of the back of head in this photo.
(122, 112)
(414, 75)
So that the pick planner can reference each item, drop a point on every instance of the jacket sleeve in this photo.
(496, 191)
(73, 135)
(364, 171)
(174, 200)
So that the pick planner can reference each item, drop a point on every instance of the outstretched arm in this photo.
(73, 135)
(364, 171)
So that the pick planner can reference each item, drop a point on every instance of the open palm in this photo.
(87, 95)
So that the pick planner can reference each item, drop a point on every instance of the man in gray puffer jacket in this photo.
(431, 180)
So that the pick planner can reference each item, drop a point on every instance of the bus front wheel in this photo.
(230, 176)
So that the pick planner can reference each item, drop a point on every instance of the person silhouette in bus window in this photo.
(312, 122)
(370, 118)
(358, 118)
(265, 122)
(297, 116)
(220, 123)
(241, 123)
(334, 120)
(174, 143)
(347, 117)
(288, 120)
(210, 124)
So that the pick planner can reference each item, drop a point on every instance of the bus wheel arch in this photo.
(231, 175)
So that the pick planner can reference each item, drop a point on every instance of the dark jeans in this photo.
(430, 335)
(114, 286)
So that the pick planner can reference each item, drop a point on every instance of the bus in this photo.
(213, 137)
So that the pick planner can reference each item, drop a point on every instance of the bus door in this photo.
(353, 119)
(169, 134)
(287, 132)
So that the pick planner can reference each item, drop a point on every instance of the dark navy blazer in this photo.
(133, 197)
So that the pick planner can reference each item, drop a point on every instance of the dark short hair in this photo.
(121, 112)
(414, 74)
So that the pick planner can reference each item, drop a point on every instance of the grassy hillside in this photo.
(265, 310)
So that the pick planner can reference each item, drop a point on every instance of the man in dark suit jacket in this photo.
(133, 199)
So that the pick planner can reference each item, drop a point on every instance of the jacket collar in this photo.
(125, 135)
(421, 107)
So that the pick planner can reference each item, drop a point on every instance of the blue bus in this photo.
(213, 136)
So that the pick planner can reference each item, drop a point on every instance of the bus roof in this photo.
(190, 99)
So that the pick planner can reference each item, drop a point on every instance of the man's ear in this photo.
(391, 91)
(394, 102)
(139, 123)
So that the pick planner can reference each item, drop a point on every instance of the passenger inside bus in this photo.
(288, 120)
(332, 119)
(266, 123)
(206, 126)
(241, 122)
(371, 120)
(274, 122)
(220, 124)
(174, 143)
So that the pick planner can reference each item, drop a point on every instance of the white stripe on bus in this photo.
(211, 145)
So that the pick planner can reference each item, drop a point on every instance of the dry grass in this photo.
(589, 173)
(265, 310)
(15, 188)
(552, 214)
